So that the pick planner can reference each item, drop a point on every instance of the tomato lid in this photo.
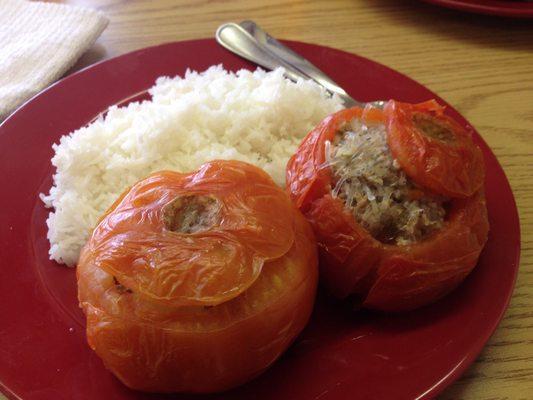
(194, 239)
(434, 150)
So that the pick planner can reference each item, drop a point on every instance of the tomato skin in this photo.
(154, 345)
(386, 277)
(347, 252)
(451, 167)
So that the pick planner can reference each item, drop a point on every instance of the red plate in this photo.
(340, 355)
(516, 9)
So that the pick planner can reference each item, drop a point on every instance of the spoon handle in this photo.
(252, 43)
(237, 40)
(296, 60)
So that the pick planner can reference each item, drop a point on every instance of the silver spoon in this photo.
(249, 41)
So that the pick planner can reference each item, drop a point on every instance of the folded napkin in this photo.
(38, 43)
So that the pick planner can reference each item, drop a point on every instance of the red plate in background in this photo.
(515, 9)
(340, 355)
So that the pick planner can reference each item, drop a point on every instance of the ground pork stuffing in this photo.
(378, 193)
(191, 214)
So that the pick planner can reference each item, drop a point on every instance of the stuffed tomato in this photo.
(197, 282)
(395, 198)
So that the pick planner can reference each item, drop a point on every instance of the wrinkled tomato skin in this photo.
(206, 268)
(386, 277)
(347, 253)
(156, 346)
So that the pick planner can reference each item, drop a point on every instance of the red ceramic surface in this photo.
(516, 9)
(340, 355)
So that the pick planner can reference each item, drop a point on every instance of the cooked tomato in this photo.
(434, 150)
(197, 282)
(387, 277)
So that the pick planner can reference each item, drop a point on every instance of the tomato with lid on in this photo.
(197, 282)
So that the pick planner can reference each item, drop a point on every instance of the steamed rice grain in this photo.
(259, 117)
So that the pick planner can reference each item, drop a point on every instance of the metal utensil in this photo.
(249, 41)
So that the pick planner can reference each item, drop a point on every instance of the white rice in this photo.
(259, 117)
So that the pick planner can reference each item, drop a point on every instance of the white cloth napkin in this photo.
(38, 43)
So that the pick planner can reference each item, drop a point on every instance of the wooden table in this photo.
(481, 65)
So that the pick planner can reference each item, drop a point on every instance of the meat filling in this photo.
(374, 188)
(191, 214)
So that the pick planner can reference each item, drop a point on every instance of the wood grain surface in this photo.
(482, 65)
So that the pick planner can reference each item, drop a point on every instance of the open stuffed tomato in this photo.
(197, 282)
(395, 198)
